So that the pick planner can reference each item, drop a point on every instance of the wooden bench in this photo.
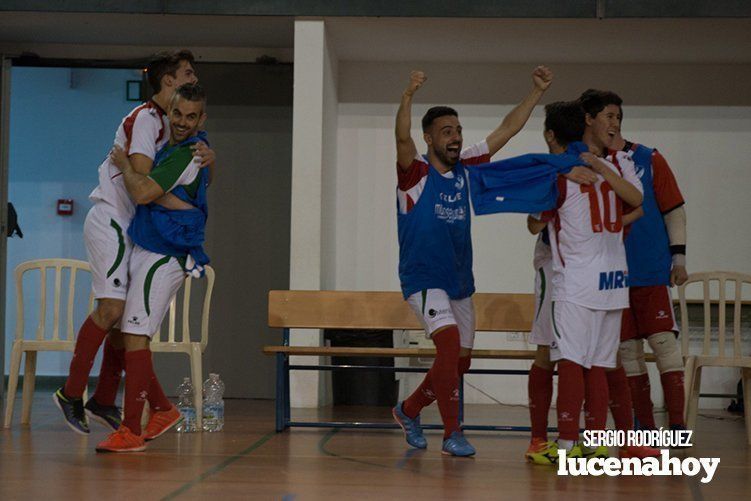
(496, 312)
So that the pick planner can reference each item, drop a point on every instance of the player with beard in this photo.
(435, 248)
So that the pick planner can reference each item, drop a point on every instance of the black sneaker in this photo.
(109, 415)
(73, 412)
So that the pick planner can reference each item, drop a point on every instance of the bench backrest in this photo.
(495, 312)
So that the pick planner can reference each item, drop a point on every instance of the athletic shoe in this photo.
(412, 430)
(638, 451)
(549, 454)
(546, 454)
(122, 440)
(457, 445)
(72, 409)
(109, 415)
(598, 452)
(537, 444)
(160, 422)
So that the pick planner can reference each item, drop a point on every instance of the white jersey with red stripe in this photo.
(586, 238)
(144, 130)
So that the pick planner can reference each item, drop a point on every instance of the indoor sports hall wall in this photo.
(707, 146)
(61, 123)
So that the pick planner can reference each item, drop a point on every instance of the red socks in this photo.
(141, 385)
(620, 399)
(424, 395)
(672, 387)
(90, 338)
(113, 365)
(138, 371)
(540, 389)
(445, 378)
(158, 401)
(570, 399)
(595, 398)
(640, 395)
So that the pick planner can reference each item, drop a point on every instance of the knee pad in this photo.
(667, 353)
(632, 357)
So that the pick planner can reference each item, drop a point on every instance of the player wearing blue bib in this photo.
(656, 253)
(435, 248)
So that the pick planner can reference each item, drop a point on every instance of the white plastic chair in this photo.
(194, 349)
(714, 353)
(43, 340)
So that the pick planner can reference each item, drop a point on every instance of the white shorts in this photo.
(434, 309)
(154, 281)
(108, 248)
(585, 336)
(542, 326)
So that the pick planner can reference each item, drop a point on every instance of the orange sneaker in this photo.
(537, 444)
(637, 451)
(122, 440)
(160, 422)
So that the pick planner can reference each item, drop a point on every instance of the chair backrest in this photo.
(716, 294)
(61, 269)
(184, 313)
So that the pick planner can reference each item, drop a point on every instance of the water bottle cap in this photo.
(185, 380)
(214, 376)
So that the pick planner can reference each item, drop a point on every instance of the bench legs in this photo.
(282, 391)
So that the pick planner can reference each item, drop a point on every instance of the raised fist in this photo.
(542, 77)
(416, 79)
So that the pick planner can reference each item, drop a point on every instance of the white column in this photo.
(313, 147)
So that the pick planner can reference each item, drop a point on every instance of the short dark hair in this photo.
(566, 120)
(190, 92)
(166, 63)
(594, 101)
(436, 112)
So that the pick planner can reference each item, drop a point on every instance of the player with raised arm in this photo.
(435, 248)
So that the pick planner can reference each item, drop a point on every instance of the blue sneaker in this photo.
(411, 427)
(457, 445)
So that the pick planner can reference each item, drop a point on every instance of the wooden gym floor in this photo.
(248, 460)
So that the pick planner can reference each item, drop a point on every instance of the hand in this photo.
(594, 161)
(581, 175)
(542, 77)
(416, 79)
(678, 275)
(202, 151)
(119, 157)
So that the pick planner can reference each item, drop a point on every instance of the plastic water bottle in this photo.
(186, 408)
(213, 404)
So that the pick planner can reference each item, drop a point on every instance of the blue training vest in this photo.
(647, 243)
(435, 244)
(174, 232)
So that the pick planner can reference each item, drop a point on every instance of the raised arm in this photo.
(622, 187)
(141, 188)
(405, 145)
(515, 120)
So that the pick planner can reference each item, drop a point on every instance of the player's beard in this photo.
(445, 159)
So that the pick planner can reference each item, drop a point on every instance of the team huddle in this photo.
(607, 250)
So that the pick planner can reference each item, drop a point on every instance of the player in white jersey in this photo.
(141, 133)
(563, 125)
(589, 285)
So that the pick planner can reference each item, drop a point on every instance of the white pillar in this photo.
(313, 155)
